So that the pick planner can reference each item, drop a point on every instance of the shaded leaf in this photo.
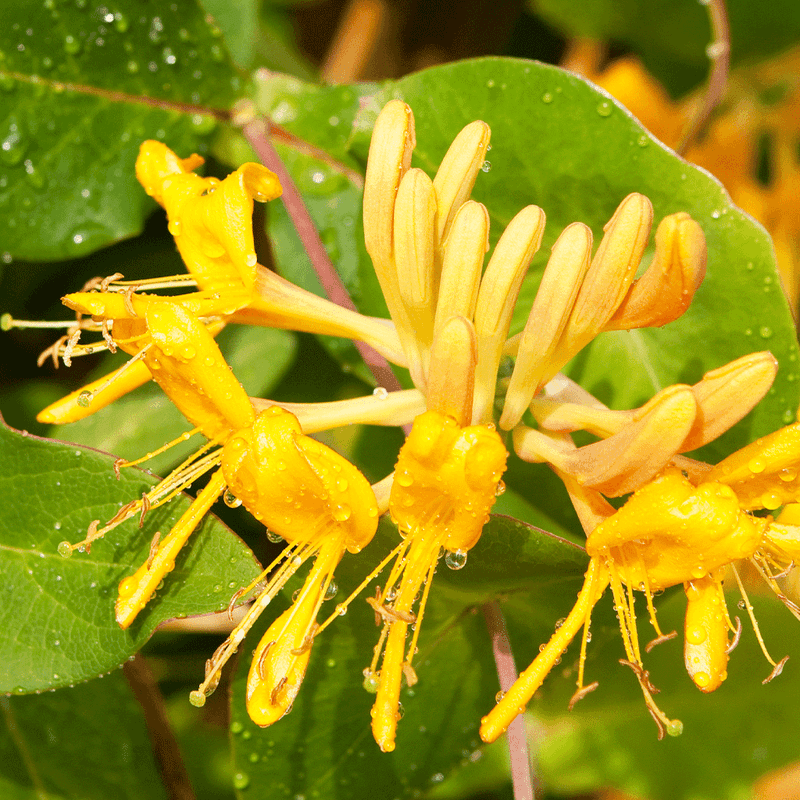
(58, 745)
(82, 87)
(58, 622)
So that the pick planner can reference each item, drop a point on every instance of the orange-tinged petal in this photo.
(666, 289)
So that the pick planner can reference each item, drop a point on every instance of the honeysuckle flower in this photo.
(678, 529)
(307, 494)
(211, 222)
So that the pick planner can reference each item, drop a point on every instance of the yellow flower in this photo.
(303, 491)
(211, 221)
(677, 530)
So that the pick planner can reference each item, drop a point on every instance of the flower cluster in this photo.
(684, 523)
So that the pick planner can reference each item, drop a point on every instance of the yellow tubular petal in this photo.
(497, 297)
(277, 303)
(706, 633)
(726, 395)
(115, 385)
(381, 408)
(389, 158)
(414, 216)
(457, 173)
(610, 275)
(515, 699)
(156, 162)
(765, 473)
(666, 289)
(548, 316)
(135, 591)
(553, 415)
(280, 660)
(590, 506)
(189, 367)
(670, 532)
(462, 263)
(624, 461)
(446, 479)
(452, 370)
(296, 486)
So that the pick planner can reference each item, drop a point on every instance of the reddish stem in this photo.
(521, 773)
(257, 134)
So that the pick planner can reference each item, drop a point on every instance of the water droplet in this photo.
(380, 393)
(547, 97)
(241, 780)
(174, 227)
(331, 591)
(85, 399)
(72, 45)
(168, 56)
(756, 465)
(127, 587)
(765, 332)
(251, 260)
(230, 499)
(486, 166)
(716, 214)
(341, 609)
(499, 696)
(696, 635)
(643, 141)
(370, 681)
(675, 726)
(236, 727)
(65, 549)
(132, 67)
(456, 559)
(12, 148)
(771, 500)
(605, 108)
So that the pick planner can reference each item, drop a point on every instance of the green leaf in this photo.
(88, 742)
(324, 747)
(730, 737)
(562, 144)
(58, 622)
(80, 89)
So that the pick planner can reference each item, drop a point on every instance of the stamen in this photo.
(581, 693)
(770, 581)
(145, 508)
(752, 616)
(153, 549)
(664, 637)
(110, 279)
(120, 462)
(110, 343)
(388, 614)
(7, 323)
(72, 342)
(412, 648)
(777, 671)
(736, 636)
(363, 585)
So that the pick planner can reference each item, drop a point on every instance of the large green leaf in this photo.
(80, 88)
(324, 747)
(58, 622)
(61, 745)
(560, 143)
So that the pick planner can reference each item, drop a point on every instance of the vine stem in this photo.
(516, 738)
(256, 131)
(719, 52)
(165, 745)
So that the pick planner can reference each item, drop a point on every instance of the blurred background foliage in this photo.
(72, 217)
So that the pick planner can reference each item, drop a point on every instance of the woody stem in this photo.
(256, 132)
(521, 767)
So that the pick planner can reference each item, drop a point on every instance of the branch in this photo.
(521, 772)
(165, 745)
(257, 134)
(719, 51)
